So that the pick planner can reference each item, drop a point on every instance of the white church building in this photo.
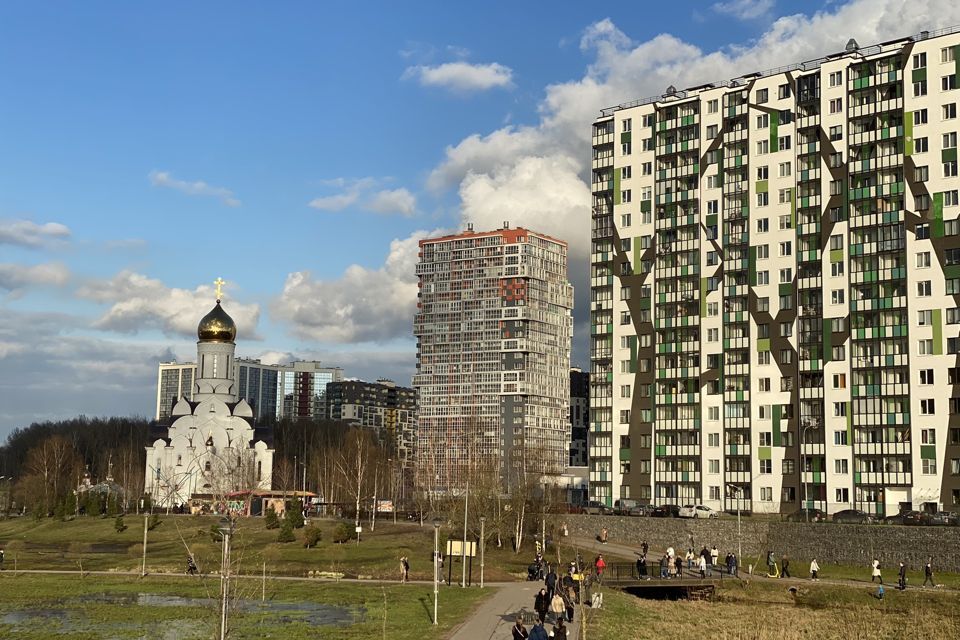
(212, 450)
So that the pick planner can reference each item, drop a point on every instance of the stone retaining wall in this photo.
(847, 544)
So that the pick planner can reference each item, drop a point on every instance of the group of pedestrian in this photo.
(875, 574)
(539, 631)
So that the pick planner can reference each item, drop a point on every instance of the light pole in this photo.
(739, 491)
(226, 530)
(483, 545)
(436, 565)
(463, 547)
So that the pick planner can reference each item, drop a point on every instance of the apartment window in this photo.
(789, 467)
(713, 206)
(837, 296)
(928, 436)
(919, 60)
(928, 467)
(712, 131)
(786, 275)
(624, 293)
(922, 230)
(919, 88)
(626, 148)
(763, 225)
(763, 330)
(950, 169)
(839, 381)
(838, 325)
(625, 244)
(763, 147)
(786, 329)
(786, 248)
(948, 83)
(784, 169)
(626, 172)
(925, 347)
(950, 140)
(836, 78)
(783, 143)
(921, 174)
(950, 111)
(766, 467)
(786, 356)
(928, 407)
(839, 353)
(836, 269)
(836, 133)
(925, 317)
(923, 259)
(624, 391)
(835, 160)
(646, 168)
(763, 172)
(713, 309)
(843, 495)
(926, 376)
(763, 251)
(924, 288)
(648, 120)
(763, 305)
(783, 91)
(625, 416)
(624, 317)
(625, 220)
(713, 106)
(763, 95)
(713, 335)
(763, 278)
(841, 466)
(836, 187)
(920, 145)
(950, 198)
(920, 117)
(840, 438)
(783, 196)
(946, 54)
(627, 124)
(954, 466)
(763, 357)
(763, 199)
(713, 182)
(839, 409)
(786, 302)
(713, 414)
(714, 466)
(713, 258)
(951, 227)
(764, 384)
(836, 242)
(766, 439)
(836, 105)
(763, 121)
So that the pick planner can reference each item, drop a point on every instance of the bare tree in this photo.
(353, 466)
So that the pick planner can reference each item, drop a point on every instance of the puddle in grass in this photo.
(68, 614)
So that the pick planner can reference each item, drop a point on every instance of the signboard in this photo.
(455, 549)
(384, 506)
(358, 530)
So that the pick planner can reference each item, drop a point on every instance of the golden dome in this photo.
(217, 326)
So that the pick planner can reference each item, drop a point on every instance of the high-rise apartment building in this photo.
(579, 416)
(295, 390)
(493, 330)
(387, 409)
(776, 287)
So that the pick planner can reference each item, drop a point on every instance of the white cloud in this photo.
(337, 202)
(196, 188)
(14, 277)
(462, 77)
(363, 305)
(744, 9)
(392, 201)
(26, 233)
(138, 303)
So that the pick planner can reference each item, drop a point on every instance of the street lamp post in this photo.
(739, 491)
(436, 565)
(226, 530)
(463, 547)
(483, 545)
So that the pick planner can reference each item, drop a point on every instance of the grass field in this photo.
(764, 609)
(35, 607)
(94, 544)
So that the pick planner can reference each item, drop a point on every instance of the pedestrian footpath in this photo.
(495, 616)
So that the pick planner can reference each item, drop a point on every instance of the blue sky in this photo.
(299, 150)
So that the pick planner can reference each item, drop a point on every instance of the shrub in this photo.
(311, 536)
(118, 525)
(270, 519)
(342, 533)
(286, 532)
(294, 514)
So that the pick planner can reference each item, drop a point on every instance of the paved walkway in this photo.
(495, 616)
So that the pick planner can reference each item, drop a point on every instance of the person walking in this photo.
(689, 558)
(703, 567)
(875, 571)
(569, 599)
(771, 565)
(599, 564)
(541, 604)
(714, 557)
(663, 566)
(705, 556)
(641, 567)
(736, 564)
(519, 631)
(678, 565)
(902, 577)
(645, 547)
(785, 567)
(538, 632)
(404, 570)
(927, 572)
(557, 607)
(560, 630)
(814, 570)
(551, 582)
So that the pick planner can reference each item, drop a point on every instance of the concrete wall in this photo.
(831, 543)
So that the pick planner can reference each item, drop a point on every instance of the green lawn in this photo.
(765, 609)
(35, 607)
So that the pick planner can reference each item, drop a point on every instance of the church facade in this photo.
(213, 448)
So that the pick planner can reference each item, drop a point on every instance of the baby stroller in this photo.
(535, 571)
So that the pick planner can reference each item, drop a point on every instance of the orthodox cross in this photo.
(219, 282)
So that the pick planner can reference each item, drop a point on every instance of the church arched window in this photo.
(206, 466)
(179, 460)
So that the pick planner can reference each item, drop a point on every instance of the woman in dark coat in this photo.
(541, 605)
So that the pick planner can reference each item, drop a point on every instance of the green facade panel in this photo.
(937, 318)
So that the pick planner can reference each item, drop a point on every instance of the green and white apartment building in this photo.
(775, 287)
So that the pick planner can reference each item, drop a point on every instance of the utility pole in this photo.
(483, 546)
(146, 523)
(463, 547)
